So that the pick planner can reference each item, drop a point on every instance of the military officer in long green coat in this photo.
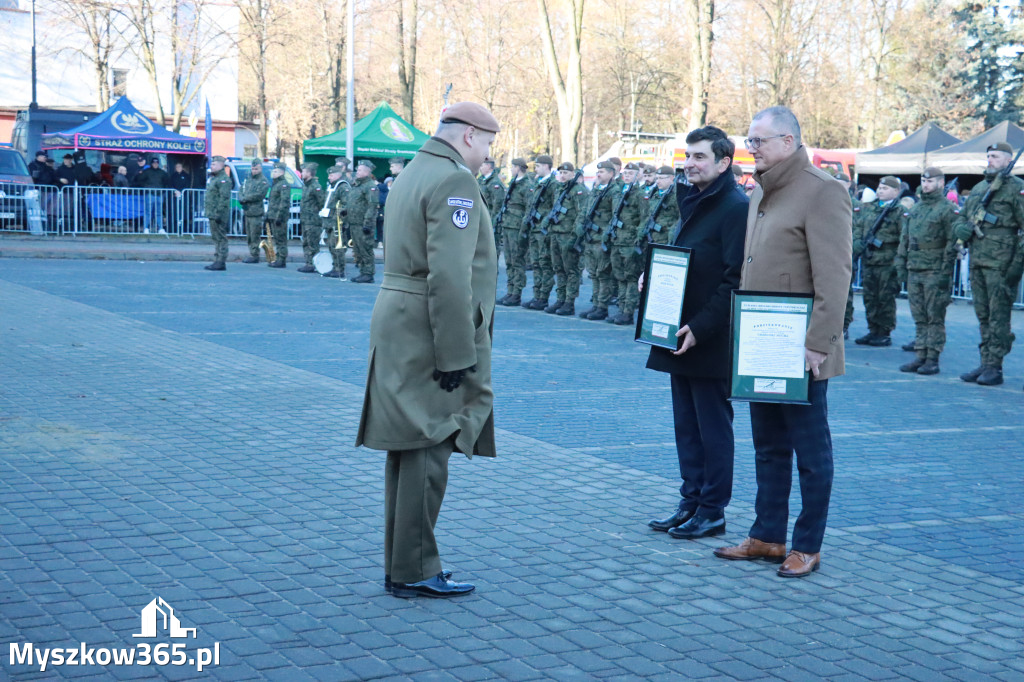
(428, 387)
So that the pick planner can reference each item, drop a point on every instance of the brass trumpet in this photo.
(267, 244)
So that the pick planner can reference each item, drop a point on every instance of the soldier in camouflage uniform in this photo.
(510, 224)
(599, 209)
(844, 179)
(333, 215)
(879, 280)
(560, 224)
(218, 211)
(661, 214)
(279, 207)
(925, 262)
(309, 215)
(251, 196)
(363, 204)
(538, 205)
(995, 260)
(492, 189)
(622, 244)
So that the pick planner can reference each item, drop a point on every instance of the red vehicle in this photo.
(835, 160)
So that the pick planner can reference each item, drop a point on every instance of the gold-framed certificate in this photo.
(768, 331)
(661, 302)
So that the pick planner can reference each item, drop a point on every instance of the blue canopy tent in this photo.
(124, 128)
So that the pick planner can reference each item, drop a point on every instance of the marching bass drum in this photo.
(323, 262)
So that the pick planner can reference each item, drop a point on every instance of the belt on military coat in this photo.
(406, 283)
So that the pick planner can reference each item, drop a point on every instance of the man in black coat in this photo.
(713, 223)
(41, 173)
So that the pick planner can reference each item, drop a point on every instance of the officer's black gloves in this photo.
(450, 381)
(366, 230)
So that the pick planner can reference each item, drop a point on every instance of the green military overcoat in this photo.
(435, 310)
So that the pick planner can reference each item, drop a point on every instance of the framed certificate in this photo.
(767, 335)
(661, 301)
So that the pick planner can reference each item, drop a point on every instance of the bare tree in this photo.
(879, 28)
(568, 89)
(700, 15)
(94, 19)
(140, 35)
(407, 57)
(258, 20)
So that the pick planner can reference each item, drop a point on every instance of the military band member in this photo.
(511, 226)
(363, 204)
(877, 253)
(622, 246)
(538, 205)
(279, 208)
(333, 216)
(218, 211)
(560, 224)
(309, 215)
(593, 225)
(251, 196)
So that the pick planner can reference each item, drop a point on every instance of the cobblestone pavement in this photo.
(169, 432)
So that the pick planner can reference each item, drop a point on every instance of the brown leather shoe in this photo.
(753, 549)
(799, 565)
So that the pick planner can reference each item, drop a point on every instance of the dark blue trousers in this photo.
(704, 442)
(779, 431)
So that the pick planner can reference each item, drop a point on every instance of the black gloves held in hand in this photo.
(366, 230)
(450, 381)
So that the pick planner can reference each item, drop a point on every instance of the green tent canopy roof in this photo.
(381, 133)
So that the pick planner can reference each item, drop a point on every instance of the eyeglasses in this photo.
(756, 142)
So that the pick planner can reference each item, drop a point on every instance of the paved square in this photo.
(169, 432)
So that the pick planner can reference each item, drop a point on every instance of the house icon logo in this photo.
(167, 621)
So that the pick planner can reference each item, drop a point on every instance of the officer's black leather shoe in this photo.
(567, 309)
(251, 259)
(306, 269)
(913, 365)
(880, 340)
(598, 314)
(277, 264)
(699, 527)
(445, 573)
(554, 307)
(864, 340)
(972, 376)
(218, 265)
(436, 587)
(680, 517)
(992, 376)
(929, 367)
(909, 346)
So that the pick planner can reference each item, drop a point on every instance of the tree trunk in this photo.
(701, 14)
(568, 90)
(407, 59)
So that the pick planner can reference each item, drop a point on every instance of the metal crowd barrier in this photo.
(35, 209)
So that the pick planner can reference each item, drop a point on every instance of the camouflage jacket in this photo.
(1000, 244)
(492, 189)
(926, 239)
(574, 204)
(864, 217)
(251, 196)
(280, 204)
(218, 197)
(363, 204)
(601, 206)
(539, 201)
(311, 203)
(336, 203)
(519, 192)
(664, 222)
(631, 214)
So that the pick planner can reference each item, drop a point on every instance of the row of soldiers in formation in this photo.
(918, 239)
(553, 221)
(345, 213)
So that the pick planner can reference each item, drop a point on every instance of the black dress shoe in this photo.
(445, 573)
(680, 517)
(436, 587)
(699, 527)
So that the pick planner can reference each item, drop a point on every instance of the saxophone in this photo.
(267, 244)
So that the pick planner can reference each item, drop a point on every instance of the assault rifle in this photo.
(558, 209)
(533, 216)
(652, 223)
(981, 214)
(871, 241)
(504, 204)
(588, 220)
(616, 222)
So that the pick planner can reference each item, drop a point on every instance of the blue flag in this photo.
(208, 127)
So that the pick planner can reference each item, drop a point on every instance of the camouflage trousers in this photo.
(543, 274)
(626, 270)
(253, 234)
(599, 265)
(993, 301)
(848, 317)
(331, 239)
(881, 285)
(311, 239)
(219, 234)
(515, 260)
(362, 247)
(497, 241)
(929, 293)
(566, 264)
(279, 230)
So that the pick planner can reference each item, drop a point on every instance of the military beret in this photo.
(666, 170)
(219, 158)
(365, 162)
(566, 166)
(933, 172)
(607, 165)
(488, 160)
(280, 165)
(616, 161)
(519, 161)
(891, 181)
(256, 163)
(311, 166)
(335, 170)
(1000, 147)
(472, 114)
(631, 166)
(341, 161)
(545, 159)
(649, 168)
(396, 159)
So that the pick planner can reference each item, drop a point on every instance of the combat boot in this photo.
(930, 366)
(586, 313)
(512, 300)
(598, 314)
(567, 309)
(879, 341)
(334, 274)
(910, 347)
(864, 340)
(914, 365)
(501, 301)
(992, 376)
(216, 265)
(972, 376)
(624, 319)
(536, 304)
(554, 307)
(251, 259)
(306, 268)
(276, 264)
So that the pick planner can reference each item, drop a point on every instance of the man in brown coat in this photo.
(428, 389)
(798, 241)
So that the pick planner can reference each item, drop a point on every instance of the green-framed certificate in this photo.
(767, 336)
(661, 301)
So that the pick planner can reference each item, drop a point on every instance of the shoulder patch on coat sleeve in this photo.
(460, 218)
(460, 202)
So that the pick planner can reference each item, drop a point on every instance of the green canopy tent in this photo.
(379, 135)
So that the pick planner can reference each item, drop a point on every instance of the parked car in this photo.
(19, 200)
